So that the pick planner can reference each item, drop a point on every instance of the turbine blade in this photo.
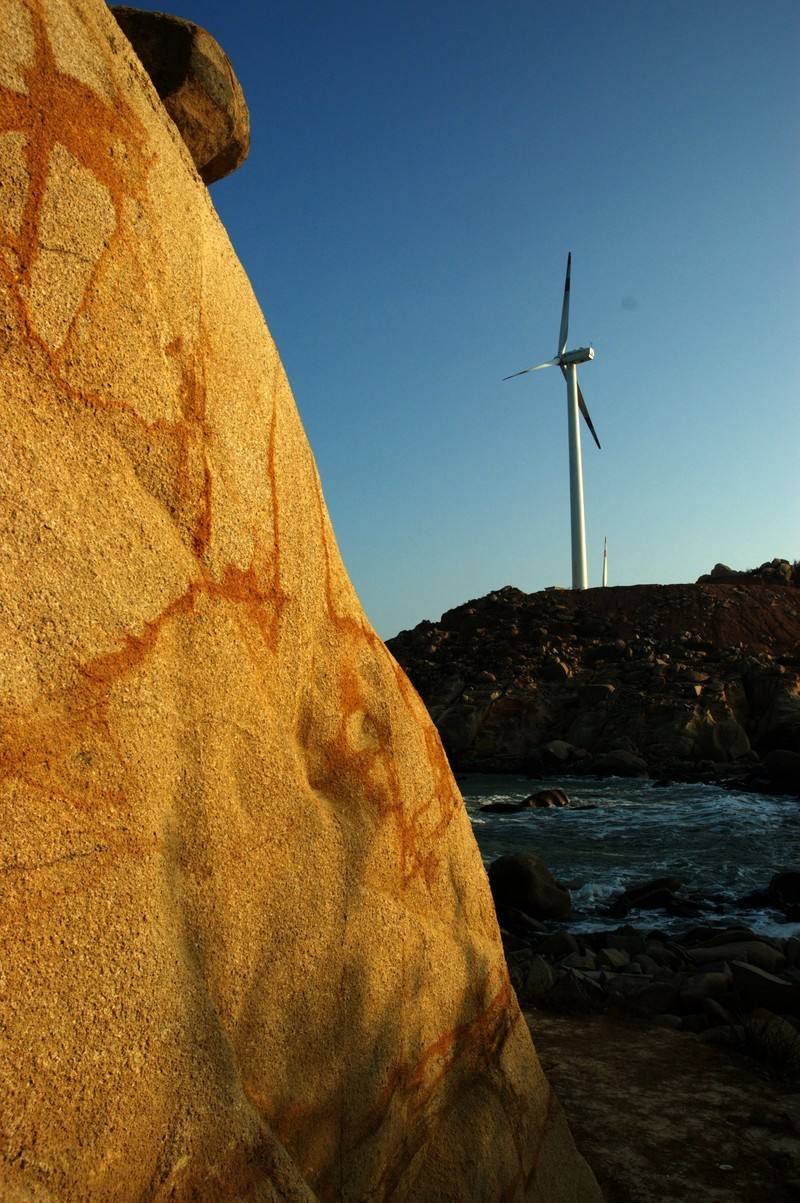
(551, 363)
(562, 334)
(586, 418)
(583, 409)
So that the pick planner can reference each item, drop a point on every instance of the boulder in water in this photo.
(523, 880)
(547, 799)
(784, 888)
(645, 895)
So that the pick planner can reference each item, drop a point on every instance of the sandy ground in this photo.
(663, 1118)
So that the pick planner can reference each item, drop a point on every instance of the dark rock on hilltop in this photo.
(775, 572)
(689, 682)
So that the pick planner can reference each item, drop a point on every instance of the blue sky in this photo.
(419, 171)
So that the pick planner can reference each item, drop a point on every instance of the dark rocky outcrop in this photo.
(783, 767)
(688, 682)
(726, 985)
(523, 881)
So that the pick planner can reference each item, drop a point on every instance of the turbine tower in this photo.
(568, 362)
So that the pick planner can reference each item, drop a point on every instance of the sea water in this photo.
(620, 831)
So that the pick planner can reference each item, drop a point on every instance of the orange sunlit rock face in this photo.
(248, 948)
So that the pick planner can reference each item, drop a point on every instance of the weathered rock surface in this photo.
(249, 951)
(196, 82)
(692, 681)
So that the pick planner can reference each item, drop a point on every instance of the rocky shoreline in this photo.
(675, 1052)
(728, 985)
(676, 682)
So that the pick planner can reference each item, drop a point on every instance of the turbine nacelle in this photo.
(566, 359)
(579, 355)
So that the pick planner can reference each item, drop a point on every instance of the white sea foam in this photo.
(621, 831)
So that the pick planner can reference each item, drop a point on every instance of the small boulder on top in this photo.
(196, 82)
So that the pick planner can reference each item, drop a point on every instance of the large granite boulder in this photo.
(249, 950)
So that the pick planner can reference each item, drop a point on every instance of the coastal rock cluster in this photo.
(693, 681)
(728, 985)
(249, 951)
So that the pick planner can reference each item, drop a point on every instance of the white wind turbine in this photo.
(568, 362)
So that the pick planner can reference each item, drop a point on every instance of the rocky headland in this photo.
(691, 682)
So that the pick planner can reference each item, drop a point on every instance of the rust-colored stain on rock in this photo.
(247, 948)
(57, 109)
